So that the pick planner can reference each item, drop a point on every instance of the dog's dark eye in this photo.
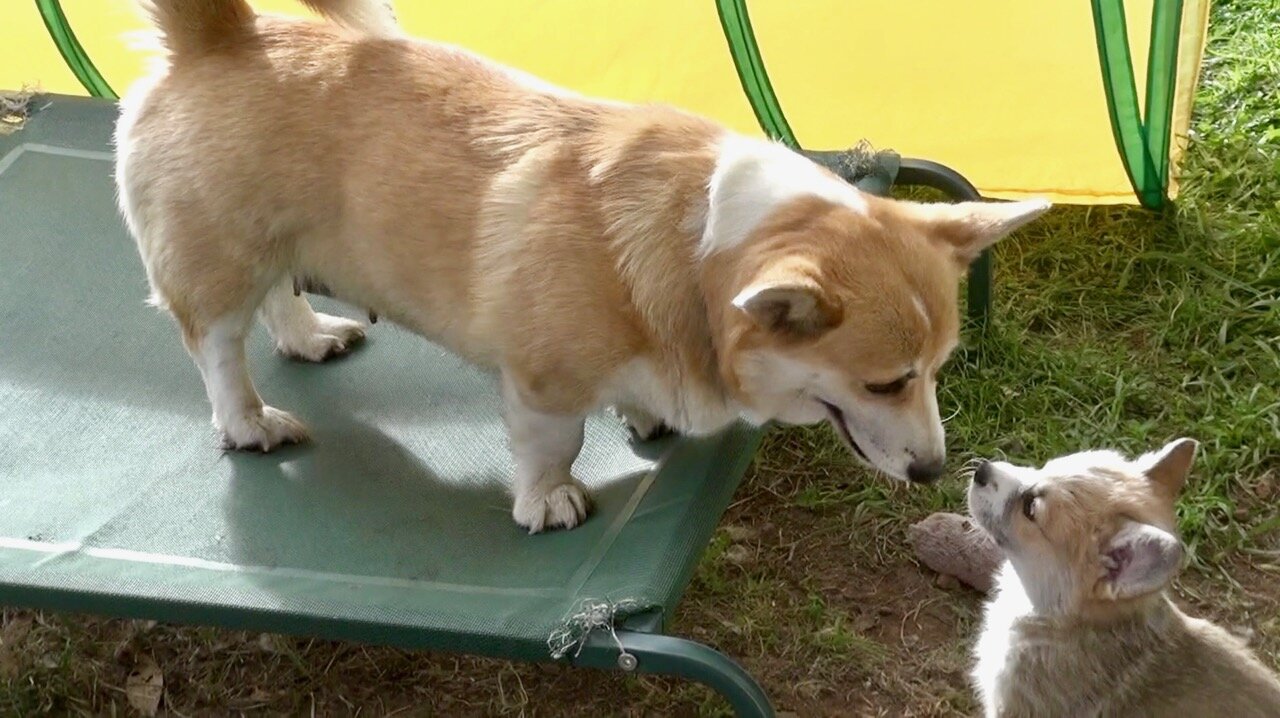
(893, 387)
(1029, 505)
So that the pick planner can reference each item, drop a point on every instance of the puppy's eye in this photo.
(893, 387)
(1030, 505)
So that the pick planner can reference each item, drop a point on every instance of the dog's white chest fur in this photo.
(998, 643)
(643, 392)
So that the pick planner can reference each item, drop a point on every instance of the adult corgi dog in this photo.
(1081, 625)
(593, 253)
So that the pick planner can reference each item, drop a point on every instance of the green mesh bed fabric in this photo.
(393, 526)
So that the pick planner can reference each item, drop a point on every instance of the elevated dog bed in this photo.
(393, 527)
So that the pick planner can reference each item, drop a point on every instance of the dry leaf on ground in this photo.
(145, 686)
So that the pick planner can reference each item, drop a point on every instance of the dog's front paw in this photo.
(262, 430)
(552, 505)
(331, 337)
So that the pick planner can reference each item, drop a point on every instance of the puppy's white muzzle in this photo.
(991, 491)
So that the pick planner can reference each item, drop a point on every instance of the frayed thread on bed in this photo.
(592, 614)
(16, 109)
(862, 166)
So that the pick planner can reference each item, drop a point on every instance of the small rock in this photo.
(269, 643)
(738, 554)
(738, 533)
(259, 696)
(1265, 489)
(946, 581)
(865, 622)
(809, 689)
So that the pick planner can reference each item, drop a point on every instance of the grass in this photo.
(1115, 327)
(1124, 329)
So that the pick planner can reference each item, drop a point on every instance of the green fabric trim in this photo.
(751, 73)
(1122, 94)
(1143, 144)
(73, 53)
(1162, 75)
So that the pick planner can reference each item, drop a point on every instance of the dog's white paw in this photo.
(331, 336)
(262, 431)
(552, 505)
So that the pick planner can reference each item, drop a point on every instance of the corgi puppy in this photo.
(593, 253)
(1081, 624)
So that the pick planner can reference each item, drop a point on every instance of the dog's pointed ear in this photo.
(1140, 559)
(967, 228)
(753, 179)
(1168, 468)
(790, 303)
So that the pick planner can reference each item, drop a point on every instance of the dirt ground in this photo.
(820, 599)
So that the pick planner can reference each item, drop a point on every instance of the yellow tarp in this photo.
(1008, 92)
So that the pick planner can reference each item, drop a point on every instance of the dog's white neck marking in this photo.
(752, 178)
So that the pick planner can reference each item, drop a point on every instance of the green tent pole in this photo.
(55, 21)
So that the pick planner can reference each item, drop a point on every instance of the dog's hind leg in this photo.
(241, 418)
(544, 447)
(214, 297)
(302, 333)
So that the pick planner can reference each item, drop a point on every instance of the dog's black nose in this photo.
(923, 472)
(982, 476)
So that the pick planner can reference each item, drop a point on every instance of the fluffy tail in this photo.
(371, 17)
(192, 26)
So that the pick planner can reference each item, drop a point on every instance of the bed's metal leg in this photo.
(940, 177)
(672, 656)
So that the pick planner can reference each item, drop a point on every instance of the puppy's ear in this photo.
(967, 228)
(788, 299)
(1138, 560)
(1168, 468)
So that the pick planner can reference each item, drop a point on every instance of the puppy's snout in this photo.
(924, 472)
(982, 476)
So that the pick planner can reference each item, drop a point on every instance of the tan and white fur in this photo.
(594, 253)
(1081, 624)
